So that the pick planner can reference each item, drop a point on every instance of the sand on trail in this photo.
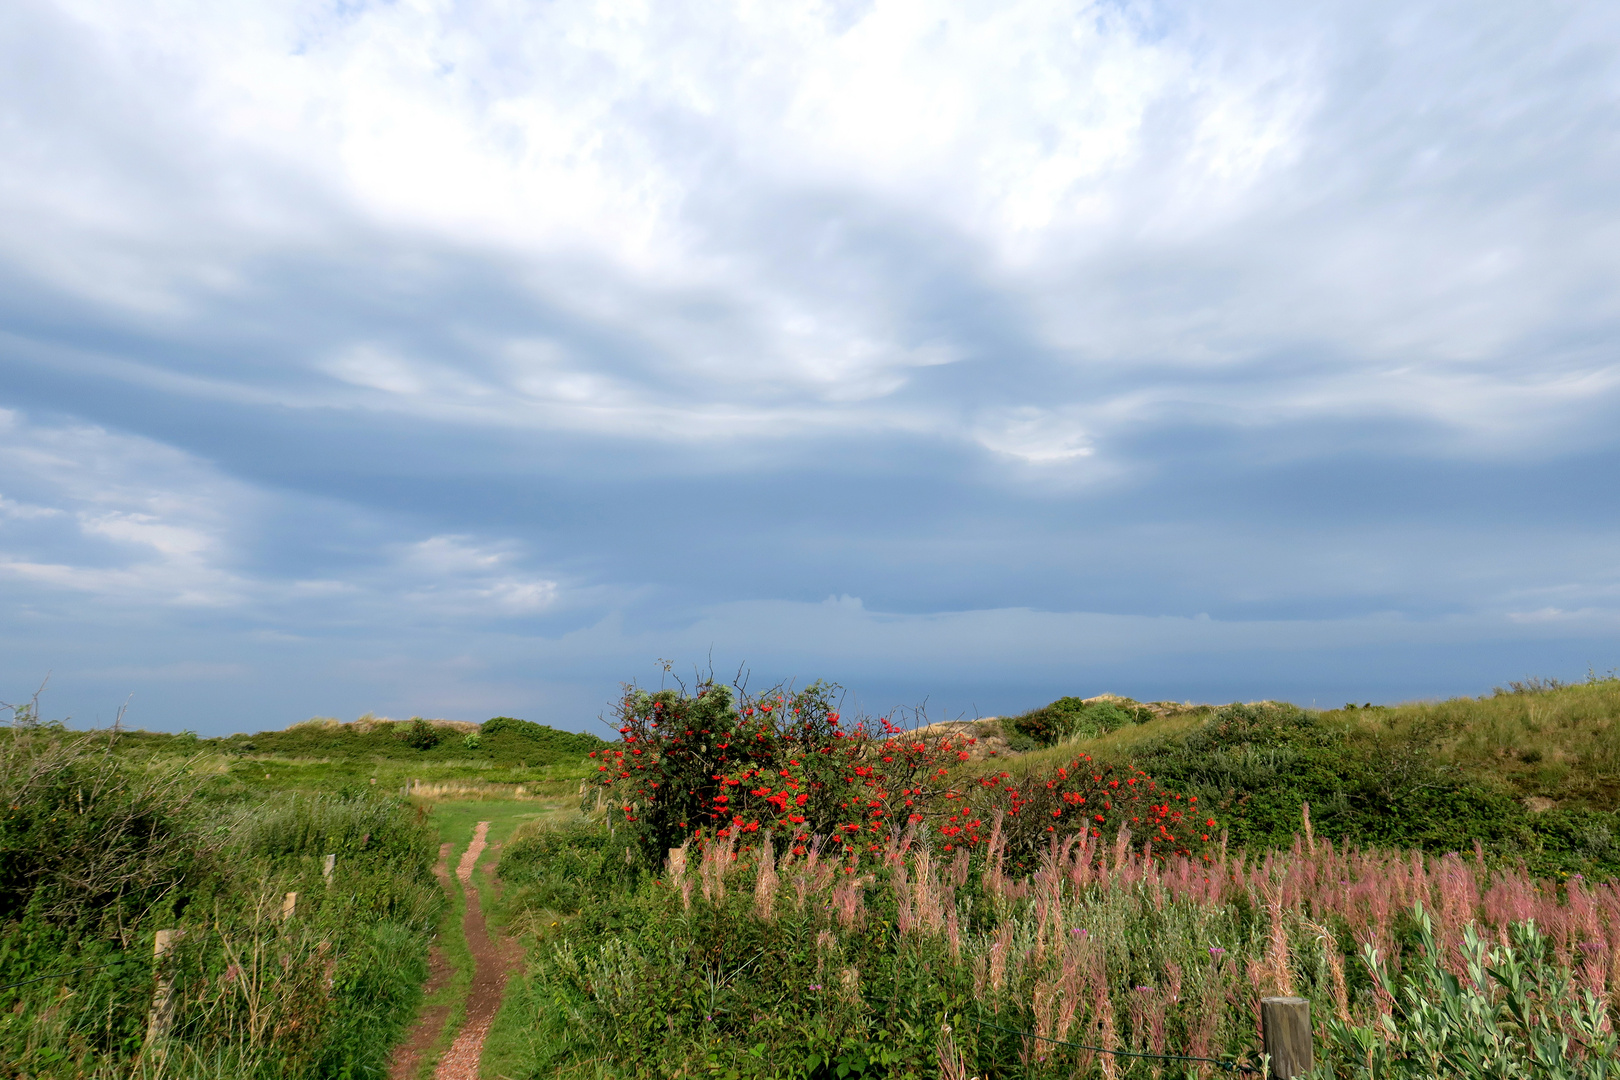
(493, 961)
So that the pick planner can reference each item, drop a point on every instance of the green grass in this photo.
(1531, 773)
(1561, 743)
(372, 755)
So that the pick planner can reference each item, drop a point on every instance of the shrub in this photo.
(714, 766)
(722, 765)
(1507, 1010)
(1073, 718)
(1387, 785)
(560, 869)
(421, 735)
(346, 826)
(1088, 799)
(509, 737)
(87, 842)
(926, 966)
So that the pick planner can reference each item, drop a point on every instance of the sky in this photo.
(464, 359)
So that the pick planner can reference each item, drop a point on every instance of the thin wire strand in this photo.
(64, 974)
(1118, 1053)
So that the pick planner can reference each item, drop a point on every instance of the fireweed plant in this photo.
(784, 965)
(720, 765)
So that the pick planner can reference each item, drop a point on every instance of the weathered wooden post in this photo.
(289, 906)
(1285, 1027)
(328, 868)
(161, 1015)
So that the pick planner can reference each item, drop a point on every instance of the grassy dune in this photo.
(1531, 772)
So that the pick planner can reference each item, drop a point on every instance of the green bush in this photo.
(501, 741)
(1071, 718)
(1256, 766)
(87, 843)
(421, 735)
(563, 869)
(508, 738)
(715, 765)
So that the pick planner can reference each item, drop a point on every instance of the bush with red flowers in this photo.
(724, 764)
(1094, 800)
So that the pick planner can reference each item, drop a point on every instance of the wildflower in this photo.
(1216, 952)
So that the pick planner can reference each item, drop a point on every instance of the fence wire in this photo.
(65, 974)
(1232, 1065)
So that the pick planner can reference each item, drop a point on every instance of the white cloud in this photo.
(1151, 191)
(148, 525)
(1034, 435)
(25, 511)
(456, 574)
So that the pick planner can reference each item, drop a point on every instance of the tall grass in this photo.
(796, 967)
(97, 854)
(1547, 739)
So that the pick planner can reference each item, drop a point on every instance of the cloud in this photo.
(461, 576)
(399, 327)
(134, 521)
(1036, 436)
(774, 205)
(139, 524)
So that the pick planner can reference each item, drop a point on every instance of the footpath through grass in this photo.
(107, 838)
(454, 823)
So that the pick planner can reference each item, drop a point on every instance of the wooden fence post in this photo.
(161, 1015)
(289, 906)
(328, 868)
(1285, 1027)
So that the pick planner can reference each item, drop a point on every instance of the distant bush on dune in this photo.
(502, 740)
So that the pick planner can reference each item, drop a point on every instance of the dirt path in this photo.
(492, 963)
(408, 1055)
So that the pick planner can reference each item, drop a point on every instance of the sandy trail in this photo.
(407, 1059)
(492, 963)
